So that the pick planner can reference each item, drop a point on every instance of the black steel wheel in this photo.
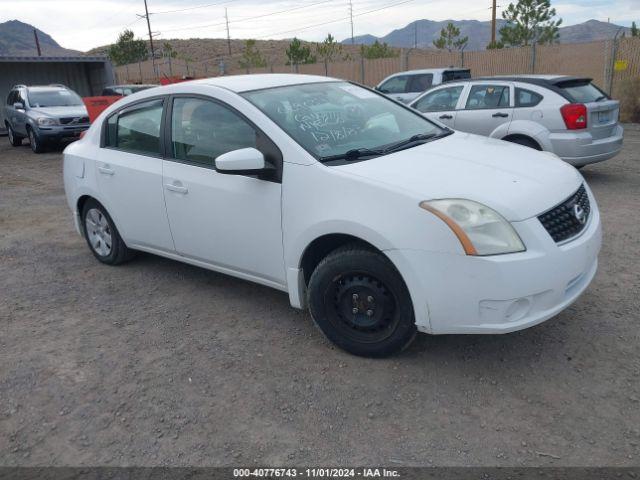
(360, 302)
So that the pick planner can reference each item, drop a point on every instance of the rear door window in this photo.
(488, 96)
(137, 129)
(450, 75)
(395, 85)
(527, 98)
(583, 92)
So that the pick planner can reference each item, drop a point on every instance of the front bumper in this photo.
(500, 293)
(59, 132)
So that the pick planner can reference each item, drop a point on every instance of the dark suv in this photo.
(44, 115)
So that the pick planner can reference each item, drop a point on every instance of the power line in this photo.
(193, 8)
(245, 19)
(337, 20)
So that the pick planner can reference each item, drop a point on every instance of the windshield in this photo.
(330, 119)
(53, 98)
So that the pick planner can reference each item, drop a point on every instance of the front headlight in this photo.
(47, 122)
(481, 230)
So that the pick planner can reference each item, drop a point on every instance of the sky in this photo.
(84, 24)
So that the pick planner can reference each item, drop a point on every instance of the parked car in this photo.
(379, 220)
(568, 116)
(124, 90)
(44, 115)
(406, 86)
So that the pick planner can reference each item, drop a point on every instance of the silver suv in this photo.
(44, 115)
(568, 116)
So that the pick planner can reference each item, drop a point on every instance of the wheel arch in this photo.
(514, 136)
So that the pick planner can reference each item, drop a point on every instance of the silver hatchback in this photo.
(568, 116)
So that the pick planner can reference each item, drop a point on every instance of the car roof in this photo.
(128, 85)
(45, 88)
(430, 70)
(246, 83)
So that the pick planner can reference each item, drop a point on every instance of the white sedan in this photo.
(379, 221)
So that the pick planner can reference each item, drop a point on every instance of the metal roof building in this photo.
(85, 75)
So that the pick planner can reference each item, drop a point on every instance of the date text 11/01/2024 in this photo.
(316, 472)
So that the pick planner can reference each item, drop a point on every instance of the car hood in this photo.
(518, 182)
(61, 112)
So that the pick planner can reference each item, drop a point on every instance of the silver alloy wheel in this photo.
(98, 232)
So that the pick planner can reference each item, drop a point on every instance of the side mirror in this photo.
(18, 106)
(245, 160)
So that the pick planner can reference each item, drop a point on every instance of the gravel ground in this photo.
(160, 363)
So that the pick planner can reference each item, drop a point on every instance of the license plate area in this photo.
(604, 117)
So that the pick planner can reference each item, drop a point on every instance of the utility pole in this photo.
(493, 23)
(35, 34)
(153, 52)
(351, 17)
(415, 34)
(226, 17)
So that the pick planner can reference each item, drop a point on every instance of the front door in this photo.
(129, 173)
(488, 107)
(231, 222)
(440, 104)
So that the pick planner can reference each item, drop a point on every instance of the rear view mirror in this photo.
(18, 106)
(245, 160)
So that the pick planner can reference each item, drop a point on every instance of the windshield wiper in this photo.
(420, 137)
(353, 154)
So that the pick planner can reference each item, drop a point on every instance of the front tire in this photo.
(360, 302)
(37, 145)
(102, 235)
(14, 139)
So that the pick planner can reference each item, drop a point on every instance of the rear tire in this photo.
(102, 235)
(525, 142)
(35, 141)
(14, 139)
(360, 302)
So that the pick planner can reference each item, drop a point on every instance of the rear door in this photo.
(603, 113)
(129, 173)
(440, 104)
(488, 105)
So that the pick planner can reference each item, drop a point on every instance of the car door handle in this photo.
(500, 115)
(106, 170)
(176, 188)
(446, 117)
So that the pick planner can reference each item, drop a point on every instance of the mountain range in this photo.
(479, 33)
(16, 38)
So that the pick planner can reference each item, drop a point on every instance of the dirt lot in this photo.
(160, 363)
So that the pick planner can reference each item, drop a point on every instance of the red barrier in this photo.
(169, 80)
(96, 105)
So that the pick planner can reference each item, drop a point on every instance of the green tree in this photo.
(529, 22)
(377, 50)
(168, 51)
(298, 54)
(251, 56)
(495, 45)
(450, 39)
(329, 50)
(634, 30)
(127, 49)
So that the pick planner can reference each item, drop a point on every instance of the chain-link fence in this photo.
(612, 64)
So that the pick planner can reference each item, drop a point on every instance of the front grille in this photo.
(68, 120)
(569, 218)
